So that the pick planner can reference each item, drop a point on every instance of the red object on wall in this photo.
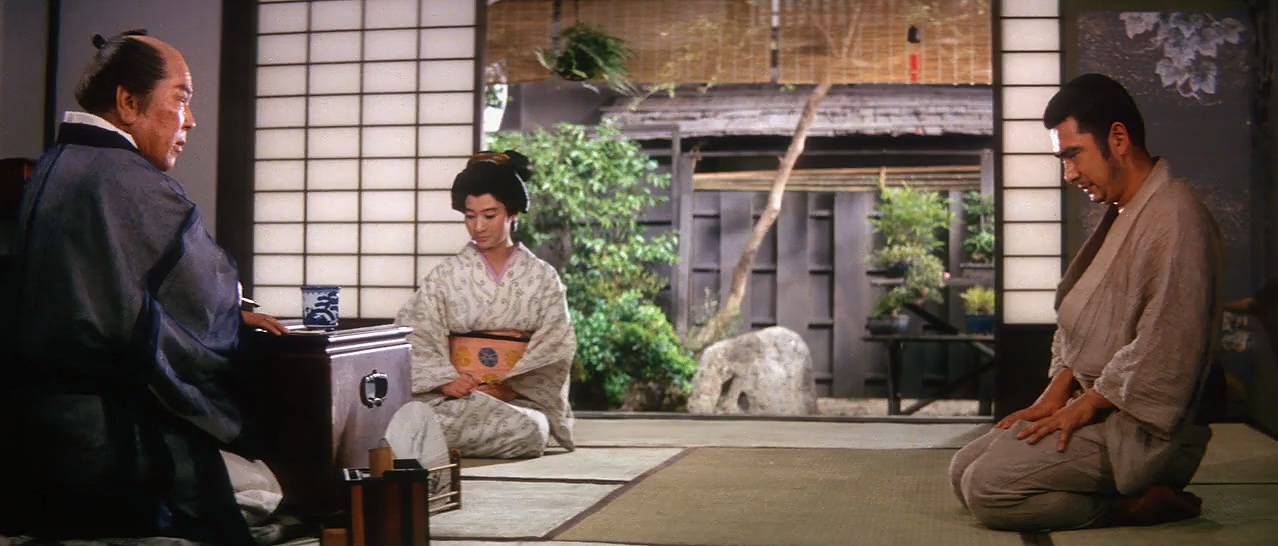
(914, 67)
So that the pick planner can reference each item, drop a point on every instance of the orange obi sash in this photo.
(487, 356)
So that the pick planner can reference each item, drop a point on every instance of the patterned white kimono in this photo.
(463, 294)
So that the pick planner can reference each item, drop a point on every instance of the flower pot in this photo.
(887, 325)
(981, 273)
(980, 324)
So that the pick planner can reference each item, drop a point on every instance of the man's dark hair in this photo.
(121, 61)
(1096, 102)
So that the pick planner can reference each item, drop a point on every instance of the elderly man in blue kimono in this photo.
(123, 317)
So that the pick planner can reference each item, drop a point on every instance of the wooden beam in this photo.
(940, 178)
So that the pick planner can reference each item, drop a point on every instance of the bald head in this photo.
(142, 86)
(130, 60)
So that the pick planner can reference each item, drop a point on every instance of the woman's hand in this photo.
(264, 322)
(460, 387)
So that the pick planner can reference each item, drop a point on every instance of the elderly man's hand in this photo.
(264, 322)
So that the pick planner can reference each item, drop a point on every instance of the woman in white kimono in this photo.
(493, 286)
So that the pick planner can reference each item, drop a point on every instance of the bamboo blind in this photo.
(685, 41)
(955, 46)
(516, 29)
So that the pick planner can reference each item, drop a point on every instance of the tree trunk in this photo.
(731, 307)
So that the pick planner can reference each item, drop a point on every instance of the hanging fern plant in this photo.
(587, 53)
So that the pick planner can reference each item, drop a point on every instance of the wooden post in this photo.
(853, 295)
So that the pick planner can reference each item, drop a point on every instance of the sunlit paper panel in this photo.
(1026, 102)
(386, 271)
(391, 14)
(387, 174)
(445, 140)
(436, 206)
(278, 207)
(1031, 35)
(281, 18)
(279, 302)
(441, 13)
(390, 77)
(339, 270)
(1031, 205)
(448, 43)
(390, 109)
(1021, 137)
(332, 206)
(332, 238)
(332, 174)
(268, 238)
(332, 142)
(336, 14)
(1031, 239)
(1031, 68)
(439, 172)
(1031, 8)
(1030, 171)
(426, 264)
(279, 144)
(447, 76)
(277, 269)
(281, 49)
(334, 110)
(383, 303)
(1031, 273)
(387, 206)
(331, 79)
(386, 238)
(1029, 307)
(279, 175)
(389, 142)
(281, 80)
(286, 112)
(390, 45)
(332, 47)
(349, 298)
(447, 108)
(445, 239)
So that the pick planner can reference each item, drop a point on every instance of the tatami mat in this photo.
(1233, 515)
(796, 434)
(1239, 454)
(797, 497)
(515, 509)
(616, 464)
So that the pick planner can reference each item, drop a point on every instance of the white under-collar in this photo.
(86, 118)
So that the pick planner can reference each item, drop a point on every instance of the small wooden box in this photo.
(395, 509)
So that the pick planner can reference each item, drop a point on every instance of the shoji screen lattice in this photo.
(366, 109)
(1029, 57)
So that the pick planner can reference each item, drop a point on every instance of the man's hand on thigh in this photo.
(1080, 412)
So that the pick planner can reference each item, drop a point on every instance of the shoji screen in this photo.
(1029, 57)
(366, 109)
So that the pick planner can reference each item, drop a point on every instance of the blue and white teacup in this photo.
(320, 306)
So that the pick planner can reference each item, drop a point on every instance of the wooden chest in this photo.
(316, 402)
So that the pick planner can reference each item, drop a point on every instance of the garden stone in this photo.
(768, 372)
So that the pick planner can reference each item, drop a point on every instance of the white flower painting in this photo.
(1190, 43)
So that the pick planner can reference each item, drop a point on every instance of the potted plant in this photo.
(889, 315)
(586, 53)
(922, 282)
(979, 241)
(978, 301)
(908, 220)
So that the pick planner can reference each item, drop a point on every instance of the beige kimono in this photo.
(1137, 312)
(463, 294)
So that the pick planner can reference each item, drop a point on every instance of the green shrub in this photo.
(622, 342)
(979, 241)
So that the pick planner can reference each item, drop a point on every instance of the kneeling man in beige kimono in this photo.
(1114, 439)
